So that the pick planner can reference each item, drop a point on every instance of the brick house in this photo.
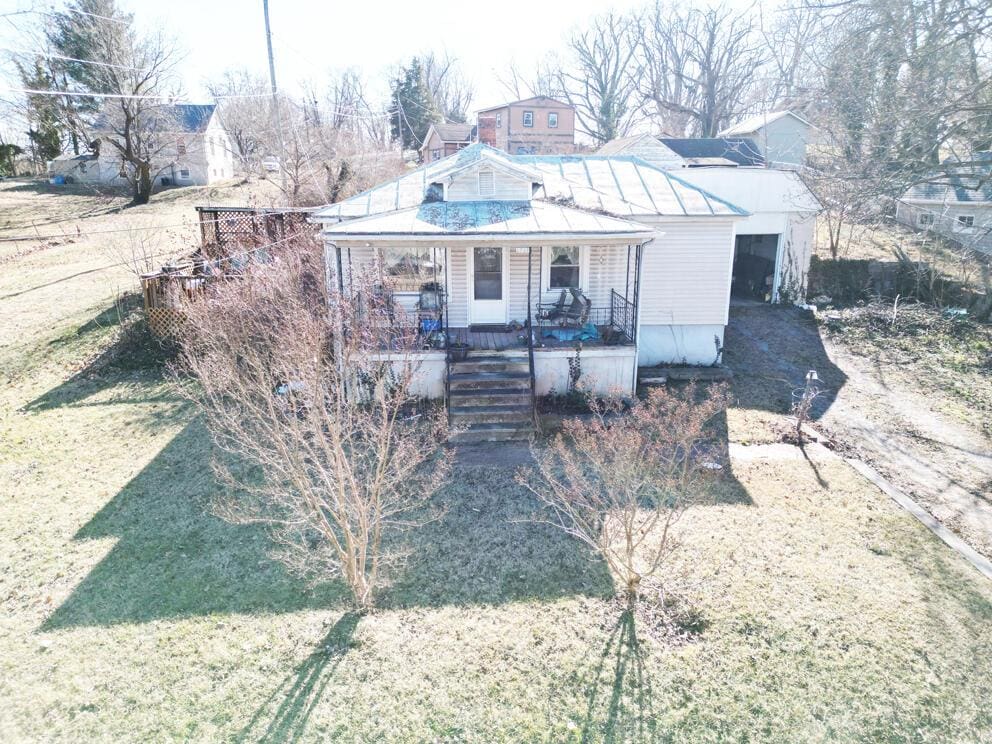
(533, 126)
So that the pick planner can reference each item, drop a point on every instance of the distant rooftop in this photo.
(737, 150)
(970, 183)
(754, 123)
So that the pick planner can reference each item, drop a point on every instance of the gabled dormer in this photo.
(487, 177)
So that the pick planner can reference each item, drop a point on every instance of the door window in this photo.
(488, 270)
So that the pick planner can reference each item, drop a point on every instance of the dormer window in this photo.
(486, 184)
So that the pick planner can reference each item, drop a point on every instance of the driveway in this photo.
(873, 412)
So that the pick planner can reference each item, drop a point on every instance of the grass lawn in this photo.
(130, 613)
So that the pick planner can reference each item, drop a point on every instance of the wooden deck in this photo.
(510, 340)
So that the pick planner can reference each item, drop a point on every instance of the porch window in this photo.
(408, 269)
(563, 267)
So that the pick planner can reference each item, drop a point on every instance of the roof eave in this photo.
(544, 238)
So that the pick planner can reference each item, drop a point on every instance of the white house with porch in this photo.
(534, 254)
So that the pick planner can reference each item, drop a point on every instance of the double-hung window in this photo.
(552, 120)
(528, 118)
(564, 267)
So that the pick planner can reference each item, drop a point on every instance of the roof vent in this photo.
(486, 185)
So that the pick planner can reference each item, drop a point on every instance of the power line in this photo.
(119, 264)
(80, 234)
(72, 59)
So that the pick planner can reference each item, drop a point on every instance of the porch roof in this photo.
(499, 219)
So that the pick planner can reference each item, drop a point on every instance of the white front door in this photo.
(487, 284)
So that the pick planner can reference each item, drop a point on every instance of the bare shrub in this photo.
(322, 439)
(620, 482)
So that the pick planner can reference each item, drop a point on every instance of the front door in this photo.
(487, 281)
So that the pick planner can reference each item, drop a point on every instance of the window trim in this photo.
(964, 223)
(435, 153)
(181, 177)
(499, 121)
(441, 255)
(546, 267)
(554, 114)
(925, 219)
(529, 114)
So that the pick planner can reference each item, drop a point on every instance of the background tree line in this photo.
(893, 88)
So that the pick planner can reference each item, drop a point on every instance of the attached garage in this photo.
(755, 262)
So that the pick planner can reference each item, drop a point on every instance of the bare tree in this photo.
(136, 75)
(600, 76)
(699, 66)
(544, 81)
(450, 90)
(621, 483)
(239, 94)
(322, 439)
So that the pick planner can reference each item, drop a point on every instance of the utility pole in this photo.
(275, 97)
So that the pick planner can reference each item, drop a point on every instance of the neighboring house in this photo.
(647, 254)
(190, 148)
(75, 169)
(958, 207)
(533, 126)
(667, 152)
(774, 245)
(781, 137)
(445, 139)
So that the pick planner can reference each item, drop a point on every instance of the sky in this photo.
(311, 37)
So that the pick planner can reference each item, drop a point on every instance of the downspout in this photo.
(637, 309)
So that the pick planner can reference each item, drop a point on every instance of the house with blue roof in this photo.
(956, 205)
(187, 144)
(511, 261)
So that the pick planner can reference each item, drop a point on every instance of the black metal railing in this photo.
(572, 320)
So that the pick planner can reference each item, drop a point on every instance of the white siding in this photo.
(465, 187)
(516, 281)
(685, 274)
(458, 286)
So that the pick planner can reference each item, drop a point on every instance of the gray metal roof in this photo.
(970, 184)
(503, 218)
(621, 186)
(736, 150)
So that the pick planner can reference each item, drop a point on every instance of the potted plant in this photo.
(458, 351)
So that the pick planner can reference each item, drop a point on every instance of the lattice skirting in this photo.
(165, 321)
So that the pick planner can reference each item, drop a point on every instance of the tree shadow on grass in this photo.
(171, 558)
(289, 707)
(132, 350)
(618, 689)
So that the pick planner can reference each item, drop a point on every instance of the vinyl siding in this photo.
(458, 286)
(465, 187)
(685, 274)
(517, 282)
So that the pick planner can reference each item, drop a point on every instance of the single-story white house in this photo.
(773, 246)
(957, 206)
(781, 137)
(629, 259)
(188, 143)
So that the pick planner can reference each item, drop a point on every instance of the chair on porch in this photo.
(578, 312)
(555, 311)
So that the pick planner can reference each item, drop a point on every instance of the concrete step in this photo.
(490, 397)
(499, 432)
(490, 364)
(489, 380)
(461, 415)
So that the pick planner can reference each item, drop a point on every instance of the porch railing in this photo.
(614, 322)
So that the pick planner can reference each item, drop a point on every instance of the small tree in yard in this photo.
(319, 440)
(622, 483)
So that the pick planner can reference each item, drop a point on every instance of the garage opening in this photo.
(754, 267)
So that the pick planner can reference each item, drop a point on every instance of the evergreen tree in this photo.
(413, 106)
